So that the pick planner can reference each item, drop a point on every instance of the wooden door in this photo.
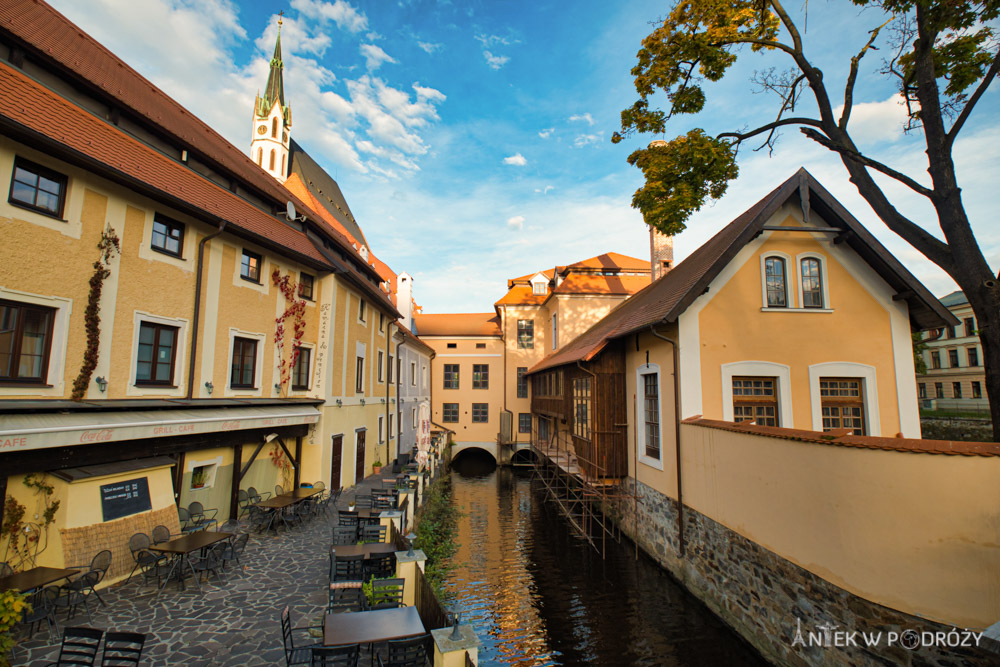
(336, 458)
(359, 458)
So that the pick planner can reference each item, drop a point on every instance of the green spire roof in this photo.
(275, 90)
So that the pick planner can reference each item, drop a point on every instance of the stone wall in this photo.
(770, 600)
(966, 430)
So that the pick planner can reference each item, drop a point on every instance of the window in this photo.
(25, 341)
(581, 408)
(555, 330)
(935, 359)
(526, 334)
(522, 382)
(480, 346)
(451, 376)
(271, 162)
(843, 404)
(539, 287)
(300, 372)
(274, 127)
(922, 390)
(651, 413)
(953, 358)
(977, 390)
(812, 285)
(480, 376)
(381, 433)
(361, 310)
(157, 350)
(774, 280)
(359, 377)
(35, 187)
(306, 283)
(378, 367)
(755, 399)
(956, 389)
(449, 413)
(381, 321)
(480, 413)
(390, 370)
(260, 157)
(244, 364)
(452, 346)
(250, 266)
(413, 417)
(524, 422)
(973, 356)
(413, 374)
(970, 326)
(938, 390)
(168, 236)
(392, 432)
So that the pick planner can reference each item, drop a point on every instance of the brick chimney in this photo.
(661, 252)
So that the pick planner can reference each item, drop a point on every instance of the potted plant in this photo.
(198, 479)
(377, 466)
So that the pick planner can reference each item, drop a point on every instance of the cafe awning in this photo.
(23, 432)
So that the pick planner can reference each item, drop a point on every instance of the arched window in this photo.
(260, 156)
(271, 167)
(282, 164)
(274, 127)
(812, 283)
(775, 282)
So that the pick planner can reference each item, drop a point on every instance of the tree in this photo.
(943, 57)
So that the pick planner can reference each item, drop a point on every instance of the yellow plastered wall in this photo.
(465, 395)
(733, 328)
(576, 314)
(914, 532)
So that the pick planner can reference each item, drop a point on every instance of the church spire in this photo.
(272, 120)
(275, 90)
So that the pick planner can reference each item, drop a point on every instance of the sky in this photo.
(471, 138)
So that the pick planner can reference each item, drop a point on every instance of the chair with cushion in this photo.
(122, 649)
(409, 652)
(202, 517)
(373, 534)
(295, 655)
(347, 568)
(345, 655)
(345, 599)
(387, 593)
(79, 646)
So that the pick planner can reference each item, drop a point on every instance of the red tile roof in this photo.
(609, 261)
(581, 283)
(522, 295)
(910, 445)
(457, 324)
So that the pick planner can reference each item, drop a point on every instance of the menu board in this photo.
(124, 498)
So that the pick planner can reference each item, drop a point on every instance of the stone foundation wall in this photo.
(769, 599)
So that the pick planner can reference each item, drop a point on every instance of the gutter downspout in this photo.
(388, 337)
(196, 317)
(677, 435)
(399, 386)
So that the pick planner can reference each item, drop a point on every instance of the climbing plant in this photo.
(295, 309)
(24, 540)
(282, 463)
(108, 245)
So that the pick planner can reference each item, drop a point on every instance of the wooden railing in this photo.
(428, 606)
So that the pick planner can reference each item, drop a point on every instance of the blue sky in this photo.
(472, 138)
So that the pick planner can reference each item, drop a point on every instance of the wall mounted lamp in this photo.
(102, 383)
(362, 401)
(209, 387)
(340, 403)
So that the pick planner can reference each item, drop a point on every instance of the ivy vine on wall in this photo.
(109, 246)
(295, 309)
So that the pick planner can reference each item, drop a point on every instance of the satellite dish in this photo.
(290, 210)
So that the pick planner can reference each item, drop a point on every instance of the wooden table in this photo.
(365, 627)
(366, 550)
(36, 577)
(302, 493)
(181, 547)
(277, 502)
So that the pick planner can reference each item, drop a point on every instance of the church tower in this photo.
(272, 122)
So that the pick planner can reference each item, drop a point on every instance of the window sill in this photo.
(154, 385)
(243, 387)
(656, 464)
(251, 280)
(39, 211)
(167, 253)
(796, 310)
(28, 384)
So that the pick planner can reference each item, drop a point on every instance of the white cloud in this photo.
(343, 14)
(546, 133)
(517, 160)
(297, 38)
(545, 190)
(495, 62)
(375, 56)
(585, 139)
(493, 40)
(874, 122)
(430, 47)
(374, 36)
(516, 222)
(585, 117)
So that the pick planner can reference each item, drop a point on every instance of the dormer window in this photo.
(538, 288)
(776, 282)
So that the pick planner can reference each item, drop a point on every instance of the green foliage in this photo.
(13, 605)
(919, 365)
(437, 525)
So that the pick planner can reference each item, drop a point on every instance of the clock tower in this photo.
(272, 121)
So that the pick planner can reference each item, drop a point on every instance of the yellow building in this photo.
(226, 341)
(955, 377)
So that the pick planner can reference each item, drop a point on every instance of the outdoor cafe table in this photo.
(365, 627)
(36, 577)
(302, 493)
(181, 547)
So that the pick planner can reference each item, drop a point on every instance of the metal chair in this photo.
(387, 593)
(294, 655)
(381, 503)
(200, 516)
(409, 652)
(345, 655)
(380, 566)
(80, 588)
(5, 569)
(187, 523)
(347, 568)
(235, 548)
(346, 518)
(344, 535)
(373, 534)
(345, 599)
(43, 608)
(363, 501)
(161, 534)
(211, 562)
(319, 485)
(145, 560)
(243, 501)
(79, 646)
(230, 526)
(122, 649)
(259, 496)
(278, 489)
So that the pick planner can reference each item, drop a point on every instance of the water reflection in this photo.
(539, 595)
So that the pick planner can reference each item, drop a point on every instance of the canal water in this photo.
(539, 595)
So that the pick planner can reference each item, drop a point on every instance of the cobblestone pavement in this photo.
(228, 623)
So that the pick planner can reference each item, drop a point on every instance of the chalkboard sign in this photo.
(124, 498)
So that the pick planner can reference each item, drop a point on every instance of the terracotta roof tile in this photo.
(522, 295)
(457, 324)
(609, 260)
(579, 283)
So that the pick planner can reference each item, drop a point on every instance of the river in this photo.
(539, 595)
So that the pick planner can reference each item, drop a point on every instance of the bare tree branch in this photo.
(852, 77)
(967, 111)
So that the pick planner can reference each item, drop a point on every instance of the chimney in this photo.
(404, 299)
(661, 246)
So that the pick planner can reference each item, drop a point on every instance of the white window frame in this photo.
(640, 417)
(848, 369)
(823, 280)
(309, 371)
(381, 429)
(783, 392)
(379, 373)
(180, 356)
(790, 291)
(391, 431)
(413, 416)
(555, 330)
(55, 378)
(259, 367)
(413, 374)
